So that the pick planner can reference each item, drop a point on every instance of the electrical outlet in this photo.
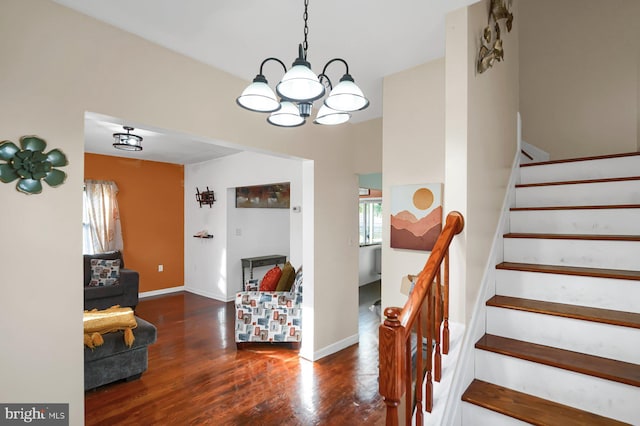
(160, 268)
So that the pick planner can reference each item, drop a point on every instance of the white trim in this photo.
(465, 367)
(537, 154)
(160, 292)
(208, 294)
(335, 347)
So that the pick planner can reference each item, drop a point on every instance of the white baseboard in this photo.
(335, 347)
(160, 292)
(209, 294)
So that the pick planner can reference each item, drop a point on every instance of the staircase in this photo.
(562, 342)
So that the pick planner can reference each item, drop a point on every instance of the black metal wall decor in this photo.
(30, 164)
(205, 197)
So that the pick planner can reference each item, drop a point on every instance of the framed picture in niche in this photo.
(270, 196)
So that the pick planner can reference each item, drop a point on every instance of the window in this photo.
(370, 222)
(101, 231)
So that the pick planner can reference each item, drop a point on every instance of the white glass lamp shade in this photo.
(346, 96)
(287, 116)
(330, 117)
(300, 84)
(258, 97)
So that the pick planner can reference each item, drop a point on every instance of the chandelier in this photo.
(127, 141)
(299, 88)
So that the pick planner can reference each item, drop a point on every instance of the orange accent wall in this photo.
(151, 202)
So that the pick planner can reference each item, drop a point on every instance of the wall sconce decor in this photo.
(491, 49)
(205, 197)
(29, 164)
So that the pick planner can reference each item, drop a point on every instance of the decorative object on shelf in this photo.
(29, 164)
(205, 197)
(416, 216)
(127, 141)
(299, 88)
(203, 234)
(492, 52)
(274, 196)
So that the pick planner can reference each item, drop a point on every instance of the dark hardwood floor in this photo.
(196, 376)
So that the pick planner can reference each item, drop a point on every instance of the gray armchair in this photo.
(124, 294)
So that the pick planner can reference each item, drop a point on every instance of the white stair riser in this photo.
(477, 416)
(580, 170)
(584, 194)
(605, 293)
(599, 396)
(589, 221)
(588, 337)
(584, 253)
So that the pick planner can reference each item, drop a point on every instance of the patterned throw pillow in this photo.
(104, 272)
(297, 283)
(271, 278)
(251, 285)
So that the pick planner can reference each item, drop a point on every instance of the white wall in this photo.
(580, 76)
(413, 152)
(481, 141)
(251, 233)
(212, 266)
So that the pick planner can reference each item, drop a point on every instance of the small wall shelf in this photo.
(203, 236)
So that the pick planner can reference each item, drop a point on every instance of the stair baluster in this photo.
(395, 334)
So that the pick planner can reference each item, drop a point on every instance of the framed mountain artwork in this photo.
(416, 216)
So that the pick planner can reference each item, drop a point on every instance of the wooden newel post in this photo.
(391, 384)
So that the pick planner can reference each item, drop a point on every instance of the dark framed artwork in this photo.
(271, 196)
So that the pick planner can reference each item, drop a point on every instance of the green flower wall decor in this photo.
(29, 164)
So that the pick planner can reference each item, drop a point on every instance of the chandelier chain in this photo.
(305, 16)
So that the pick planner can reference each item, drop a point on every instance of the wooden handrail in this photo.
(395, 334)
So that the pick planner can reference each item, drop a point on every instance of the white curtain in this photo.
(102, 231)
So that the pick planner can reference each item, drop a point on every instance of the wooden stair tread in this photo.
(578, 182)
(604, 368)
(606, 316)
(571, 270)
(597, 207)
(573, 236)
(575, 160)
(529, 408)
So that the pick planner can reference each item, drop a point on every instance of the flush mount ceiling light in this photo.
(299, 88)
(127, 141)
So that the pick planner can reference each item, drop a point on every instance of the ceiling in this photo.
(158, 144)
(376, 37)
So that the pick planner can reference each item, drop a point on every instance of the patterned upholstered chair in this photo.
(270, 316)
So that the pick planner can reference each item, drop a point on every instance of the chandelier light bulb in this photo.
(329, 117)
(300, 83)
(346, 96)
(258, 96)
(287, 116)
